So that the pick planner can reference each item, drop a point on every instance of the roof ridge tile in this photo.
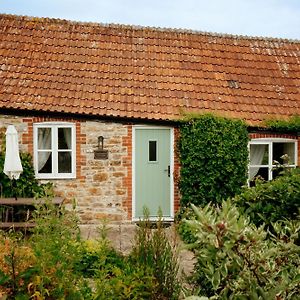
(149, 28)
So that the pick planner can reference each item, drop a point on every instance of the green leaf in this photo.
(216, 280)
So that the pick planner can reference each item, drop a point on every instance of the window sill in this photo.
(49, 177)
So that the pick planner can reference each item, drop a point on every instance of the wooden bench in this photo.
(10, 203)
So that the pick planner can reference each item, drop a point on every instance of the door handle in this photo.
(168, 170)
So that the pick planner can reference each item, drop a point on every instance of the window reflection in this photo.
(267, 158)
(64, 162)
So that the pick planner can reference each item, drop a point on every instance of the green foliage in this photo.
(114, 276)
(155, 254)
(196, 298)
(292, 125)
(236, 260)
(98, 255)
(42, 266)
(183, 228)
(16, 264)
(271, 201)
(27, 185)
(129, 282)
(56, 244)
(214, 158)
(149, 272)
(54, 263)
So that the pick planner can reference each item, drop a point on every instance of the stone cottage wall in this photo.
(21, 127)
(102, 188)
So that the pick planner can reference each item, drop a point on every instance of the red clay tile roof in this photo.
(148, 73)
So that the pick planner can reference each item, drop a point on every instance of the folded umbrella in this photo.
(12, 164)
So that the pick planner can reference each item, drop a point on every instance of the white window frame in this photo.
(54, 149)
(269, 142)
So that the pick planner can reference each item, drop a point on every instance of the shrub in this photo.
(154, 253)
(126, 283)
(97, 255)
(183, 228)
(41, 266)
(115, 276)
(268, 202)
(17, 265)
(27, 185)
(56, 244)
(214, 157)
(54, 263)
(236, 260)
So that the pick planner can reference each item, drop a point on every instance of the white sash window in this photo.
(267, 154)
(54, 150)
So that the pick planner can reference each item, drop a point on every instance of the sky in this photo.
(268, 18)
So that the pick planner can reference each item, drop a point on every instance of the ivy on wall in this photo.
(214, 159)
(287, 126)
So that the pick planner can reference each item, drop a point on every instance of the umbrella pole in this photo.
(14, 185)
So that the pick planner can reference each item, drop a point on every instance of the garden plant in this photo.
(55, 263)
(248, 247)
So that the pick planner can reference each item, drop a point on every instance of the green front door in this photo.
(152, 171)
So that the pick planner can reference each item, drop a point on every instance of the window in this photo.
(266, 154)
(54, 150)
(152, 151)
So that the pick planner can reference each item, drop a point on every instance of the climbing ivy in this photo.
(214, 157)
(291, 125)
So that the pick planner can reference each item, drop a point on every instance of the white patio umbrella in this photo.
(12, 164)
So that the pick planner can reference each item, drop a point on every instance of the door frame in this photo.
(134, 128)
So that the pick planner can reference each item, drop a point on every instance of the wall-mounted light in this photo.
(100, 153)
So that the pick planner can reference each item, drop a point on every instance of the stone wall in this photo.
(21, 127)
(102, 188)
(99, 189)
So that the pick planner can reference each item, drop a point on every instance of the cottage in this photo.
(96, 105)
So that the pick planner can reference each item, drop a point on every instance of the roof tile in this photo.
(148, 73)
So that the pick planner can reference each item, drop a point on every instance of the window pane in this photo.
(259, 154)
(44, 162)
(255, 173)
(277, 172)
(280, 149)
(64, 162)
(64, 138)
(44, 138)
(280, 171)
(152, 151)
